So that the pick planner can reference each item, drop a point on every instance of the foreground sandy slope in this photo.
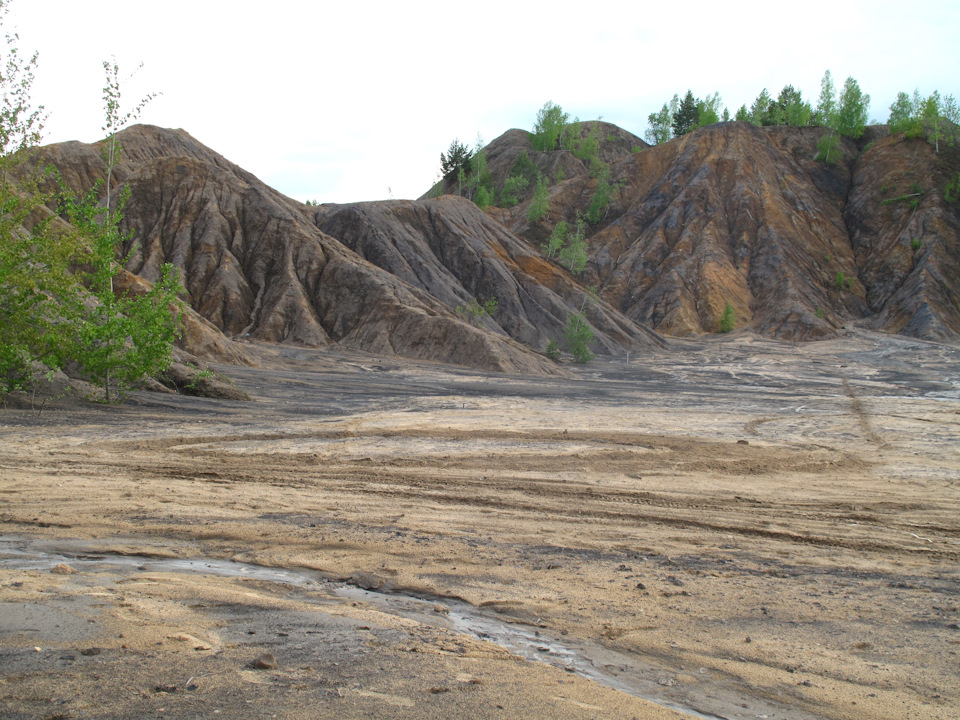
(740, 527)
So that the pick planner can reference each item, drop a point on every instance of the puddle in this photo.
(620, 671)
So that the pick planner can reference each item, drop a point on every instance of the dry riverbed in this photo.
(736, 527)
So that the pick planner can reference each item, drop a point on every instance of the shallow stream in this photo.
(621, 671)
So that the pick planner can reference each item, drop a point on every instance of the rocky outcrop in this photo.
(254, 265)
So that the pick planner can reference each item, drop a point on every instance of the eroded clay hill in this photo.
(741, 215)
(729, 214)
(254, 265)
(449, 248)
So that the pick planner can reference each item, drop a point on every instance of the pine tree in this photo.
(457, 156)
(685, 119)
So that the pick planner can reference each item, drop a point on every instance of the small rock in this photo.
(666, 681)
(742, 442)
(62, 569)
(441, 608)
(748, 639)
(266, 661)
(91, 651)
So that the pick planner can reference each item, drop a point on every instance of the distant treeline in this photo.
(845, 113)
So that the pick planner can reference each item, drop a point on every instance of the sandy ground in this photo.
(738, 527)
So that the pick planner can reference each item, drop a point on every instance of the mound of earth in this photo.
(747, 216)
(449, 248)
(254, 266)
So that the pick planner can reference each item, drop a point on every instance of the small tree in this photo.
(760, 108)
(602, 197)
(660, 129)
(480, 183)
(540, 204)
(853, 109)
(708, 110)
(932, 120)
(557, 240)
(512, 190)
(903, 116)
(38, 293)
(829, 148)
(548, 130)
(121, 338)
(587, 148)
(553, 350)
(934, 117)
(456, 158)
(685, 119)
(573, 255)
(475, 312)
(578, 336)
(791, 109)
(826, 111)
(728, 319)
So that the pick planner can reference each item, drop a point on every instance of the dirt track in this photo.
(739, 526)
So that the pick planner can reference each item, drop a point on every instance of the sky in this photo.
(344, 102)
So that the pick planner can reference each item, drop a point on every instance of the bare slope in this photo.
(255, 266)
(907, 237)
(743, 215)
(452, 250)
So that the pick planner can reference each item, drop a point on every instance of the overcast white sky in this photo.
(341, 101)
